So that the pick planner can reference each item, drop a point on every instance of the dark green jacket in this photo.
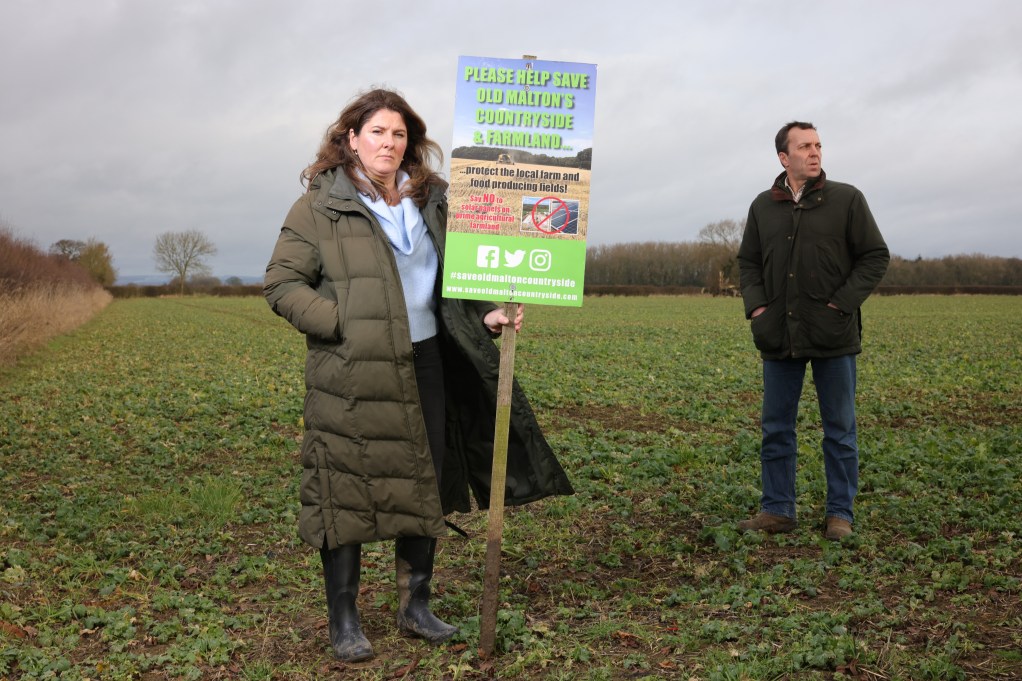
(368, 474)
(795, 258)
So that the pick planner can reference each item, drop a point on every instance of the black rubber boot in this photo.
(414, 559)
(341, 569)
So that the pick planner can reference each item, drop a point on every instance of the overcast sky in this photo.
(123, 119)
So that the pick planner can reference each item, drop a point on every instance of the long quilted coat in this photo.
(367, 471)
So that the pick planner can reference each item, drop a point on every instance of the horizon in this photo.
(158, 279)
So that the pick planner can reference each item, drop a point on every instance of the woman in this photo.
(401, 383)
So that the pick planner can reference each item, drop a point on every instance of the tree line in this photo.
(954, 270)
(711, 263)
(708, 264)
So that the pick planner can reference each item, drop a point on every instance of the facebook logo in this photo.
(488, 256)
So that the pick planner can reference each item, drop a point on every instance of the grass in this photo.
(32, 315)
(148, 501)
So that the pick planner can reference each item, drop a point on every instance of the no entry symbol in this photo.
(545, 223)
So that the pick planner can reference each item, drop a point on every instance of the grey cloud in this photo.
(126, 119)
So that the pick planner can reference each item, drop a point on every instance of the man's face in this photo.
(804, 155)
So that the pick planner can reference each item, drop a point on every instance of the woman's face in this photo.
(381, 144)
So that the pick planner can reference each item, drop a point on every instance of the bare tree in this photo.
(724, 233)
(723, 238)
(183, 254)
(68, 248)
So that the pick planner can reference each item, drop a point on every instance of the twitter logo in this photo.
(513, 258)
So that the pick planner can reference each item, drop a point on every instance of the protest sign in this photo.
(520, 173)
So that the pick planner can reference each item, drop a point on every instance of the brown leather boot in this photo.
(837, 528)
(768, 522)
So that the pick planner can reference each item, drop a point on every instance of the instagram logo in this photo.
(539, 260)
(488, 256)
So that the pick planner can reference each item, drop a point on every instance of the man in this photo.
(811, 254)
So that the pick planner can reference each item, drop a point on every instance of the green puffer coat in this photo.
(795, 258)
(368, 474)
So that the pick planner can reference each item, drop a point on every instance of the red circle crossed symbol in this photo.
(560, 206)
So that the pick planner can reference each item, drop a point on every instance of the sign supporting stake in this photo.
(498, 478)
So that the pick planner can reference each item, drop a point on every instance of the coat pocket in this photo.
(315, 485)
(341, 291)
(831, 329)
(769, 328)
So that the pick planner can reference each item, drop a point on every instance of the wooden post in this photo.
(498, 475)
(498, 478)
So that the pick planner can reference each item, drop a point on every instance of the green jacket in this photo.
(795, 258)
(368, 474)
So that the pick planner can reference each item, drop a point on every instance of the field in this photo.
(148, 501)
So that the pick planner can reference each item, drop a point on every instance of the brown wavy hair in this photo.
(421, 156)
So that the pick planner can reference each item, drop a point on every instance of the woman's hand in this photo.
(496, 320)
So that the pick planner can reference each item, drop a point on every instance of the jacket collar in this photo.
(338, 186)
(334, 187)
(335, 194)
(779, 191)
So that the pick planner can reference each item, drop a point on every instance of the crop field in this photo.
(148, 501)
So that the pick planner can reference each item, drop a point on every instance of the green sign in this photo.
(520, 175)
(517, 268)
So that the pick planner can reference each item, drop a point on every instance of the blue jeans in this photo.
(834, 378)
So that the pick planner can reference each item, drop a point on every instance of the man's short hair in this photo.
(781, 141)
